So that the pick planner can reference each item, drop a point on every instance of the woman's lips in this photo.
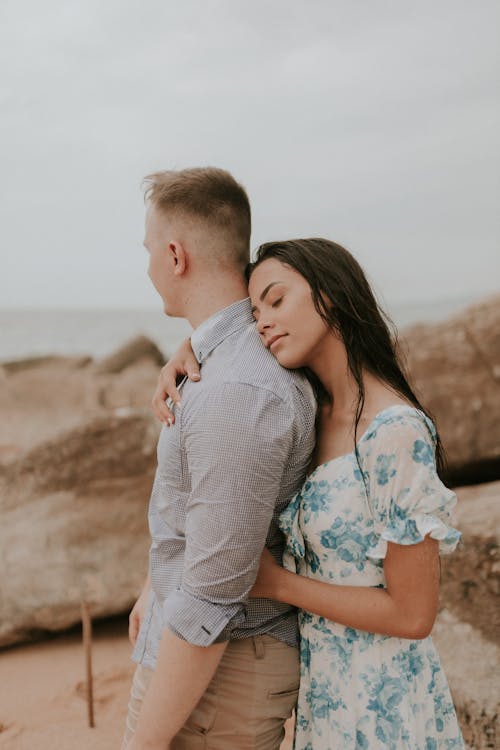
(274, 340)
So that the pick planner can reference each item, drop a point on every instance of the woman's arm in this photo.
(183, 362)
(406, 608)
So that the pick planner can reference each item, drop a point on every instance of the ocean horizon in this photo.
(98, 332)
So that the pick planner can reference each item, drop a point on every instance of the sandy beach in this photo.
(42, 691)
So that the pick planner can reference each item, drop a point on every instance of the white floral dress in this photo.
(362, 690)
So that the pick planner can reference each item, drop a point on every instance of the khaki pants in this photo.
(245, 705)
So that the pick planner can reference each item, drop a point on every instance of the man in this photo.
(216, 669)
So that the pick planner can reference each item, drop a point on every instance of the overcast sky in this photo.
(376, 124)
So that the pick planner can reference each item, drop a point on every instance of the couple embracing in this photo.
(297, 515)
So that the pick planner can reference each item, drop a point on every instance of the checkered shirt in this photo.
(234, 458)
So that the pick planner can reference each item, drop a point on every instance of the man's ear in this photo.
(177, 256)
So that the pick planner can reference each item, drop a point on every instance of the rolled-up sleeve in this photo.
(237, 439)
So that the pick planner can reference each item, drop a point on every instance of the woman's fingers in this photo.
(160, 408)
(191, 366)
(167, 393)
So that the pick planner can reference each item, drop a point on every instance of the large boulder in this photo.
(74, 524)
(455, 366)
(467, 631)
(44, 398)
(138, 348)
(470, 580)
(471, 662)
(31, 363)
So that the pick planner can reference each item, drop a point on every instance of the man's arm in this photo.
(182, 674)
(237, 440)
(138, 610)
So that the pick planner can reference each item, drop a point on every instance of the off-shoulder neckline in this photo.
(368, 430)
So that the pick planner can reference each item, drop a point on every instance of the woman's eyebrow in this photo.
(263, 295)
(268, 287)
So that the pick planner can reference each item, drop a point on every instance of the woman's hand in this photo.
(182, 363)
(266, 586)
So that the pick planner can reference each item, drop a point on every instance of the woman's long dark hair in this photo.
(343, 298)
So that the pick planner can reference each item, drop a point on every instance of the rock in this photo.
(133, 387)
(455, 367)
(40, 402)
(74, 525)
(30, 363)
(43, 402)
(467, 631)
(470, 580)
(471, 666)
(134, 350)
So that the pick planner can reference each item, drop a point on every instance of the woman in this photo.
(365, 532)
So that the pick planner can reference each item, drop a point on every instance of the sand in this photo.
(42, 692)
(42, 697)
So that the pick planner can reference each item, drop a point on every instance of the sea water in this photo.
(27, 333)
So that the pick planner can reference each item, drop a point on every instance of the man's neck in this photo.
(211, 298)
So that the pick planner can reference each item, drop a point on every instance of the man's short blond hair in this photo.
(209, 194)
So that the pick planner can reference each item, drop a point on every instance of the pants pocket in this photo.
(282, 703)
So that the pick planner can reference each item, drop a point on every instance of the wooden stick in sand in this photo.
(87, 648)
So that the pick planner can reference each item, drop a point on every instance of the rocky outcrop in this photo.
(470, 577)
(471, 665)
(77, 457)
(467, 631)
(40, 403)
(74, 524)
(137, 349)
(31, 363)
(455, 366)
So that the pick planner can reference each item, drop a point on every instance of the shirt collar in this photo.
(219, 326)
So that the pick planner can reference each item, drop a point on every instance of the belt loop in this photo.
(258, 645)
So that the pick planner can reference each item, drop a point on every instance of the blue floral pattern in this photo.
(360, 690)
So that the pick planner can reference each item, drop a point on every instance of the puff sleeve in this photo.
(408, 501)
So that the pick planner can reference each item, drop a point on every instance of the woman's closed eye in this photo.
(277, 302)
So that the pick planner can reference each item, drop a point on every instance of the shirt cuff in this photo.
(198, 621)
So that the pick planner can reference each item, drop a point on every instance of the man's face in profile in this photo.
(161, 260)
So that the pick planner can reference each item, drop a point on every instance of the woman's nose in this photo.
(263, 324)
